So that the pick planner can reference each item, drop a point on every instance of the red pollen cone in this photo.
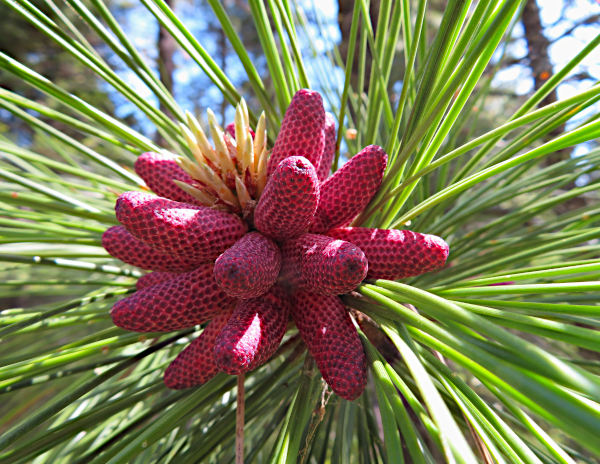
(327, 330)
(250, 267)
(323, 265)
(253, 333)
(350, 189)
(396, 254)
(289, 201)
(302, 130)
(122, 245)
(231, 130)
(196, 365)
(193, 232)
(329, 151)
(184, 301)
(158, 171)
(153, 278)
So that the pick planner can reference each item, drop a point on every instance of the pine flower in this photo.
(196, 364)
(184, 301)
(288, 204)
(253, 333)
(250, 267)
(350, 189)
(323, 265)
(395, 254)
(326, 328)
(302, 130)
(254, 271)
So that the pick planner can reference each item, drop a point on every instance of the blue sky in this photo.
(193, 89)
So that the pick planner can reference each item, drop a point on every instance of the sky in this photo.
(193, 89)
(561, 49)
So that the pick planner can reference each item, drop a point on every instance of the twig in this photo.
(239, 421)
(317, 416)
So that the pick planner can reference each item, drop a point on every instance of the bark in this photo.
(345, 9)
(166, 45)
(537, 45)
(541, 67)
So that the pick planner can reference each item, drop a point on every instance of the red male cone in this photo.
(192, 232)
(327, 330)
(122, 245)
(395, 254)
(250, 267)
(158, 171)
(323, 265)
(289, 201)
(302, 130)
(350, 189)
(329, 151)
(184, 301)
(196, 365)
(253, 332)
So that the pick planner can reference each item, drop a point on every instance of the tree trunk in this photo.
(541, 67)
(345, 10)
(166, 45)
(537, 44)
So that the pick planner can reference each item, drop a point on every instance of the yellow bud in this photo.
(261, 173)
(201, 139)
(203, 197)
(219, 187)
(242, 193)
(240, 132)
(192, 144)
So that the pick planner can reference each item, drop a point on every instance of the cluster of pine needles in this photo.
(492, 359)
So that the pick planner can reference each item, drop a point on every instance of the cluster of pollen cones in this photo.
(245, 241)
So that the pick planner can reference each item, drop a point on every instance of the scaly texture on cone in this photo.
(250, 267)
(196, 364)
(184, 301)
(253, 332)
(302, 130)
(154, 278)
(323, 265)
(329, 150)
(288, 203)
(158, 171)
(193, 232)
(120, 244)
(327, 330)
(395, 254)
(347, 192)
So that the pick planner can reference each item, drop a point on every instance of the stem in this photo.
(239, 427)
(317, 417)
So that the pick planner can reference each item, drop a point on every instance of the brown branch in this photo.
(239, 420)
(537, 45)
(317, 416)
(166, 45)
(589, 20)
